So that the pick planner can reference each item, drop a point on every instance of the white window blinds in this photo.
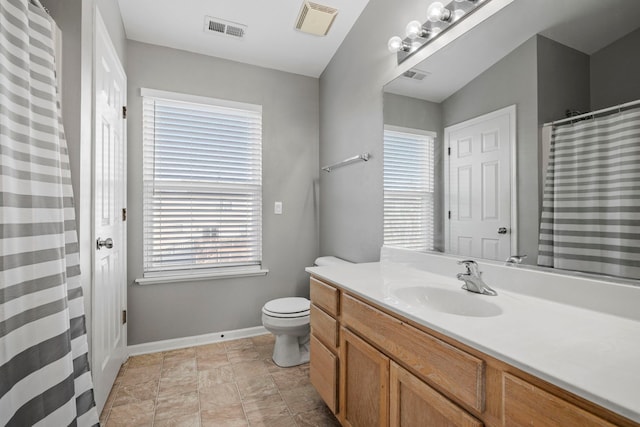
(408, 189)
(202, 185)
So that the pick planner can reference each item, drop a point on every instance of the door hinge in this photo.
(448, 151)
(124, 214)
(124, 112)
(124, 316)
(449, 214)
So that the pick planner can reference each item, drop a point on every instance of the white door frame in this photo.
(101, 32)
(511, 111)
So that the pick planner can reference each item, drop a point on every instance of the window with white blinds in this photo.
(202, 184)
(408, 188)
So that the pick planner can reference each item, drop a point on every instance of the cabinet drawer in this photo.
(413, 402)
(436, 362)
(324, 296)
(323, 373)
(526, 404)
(324, 327)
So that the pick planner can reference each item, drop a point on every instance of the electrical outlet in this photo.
(277, 208)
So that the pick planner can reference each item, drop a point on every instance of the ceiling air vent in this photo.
(415, 74)
(224, 28)
(315, 18)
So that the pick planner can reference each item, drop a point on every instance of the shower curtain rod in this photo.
(593, 113)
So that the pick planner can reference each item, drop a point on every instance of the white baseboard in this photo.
(176, 343)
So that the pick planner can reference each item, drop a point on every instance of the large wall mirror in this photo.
(467, 152)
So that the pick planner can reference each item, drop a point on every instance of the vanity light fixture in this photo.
(439, 19)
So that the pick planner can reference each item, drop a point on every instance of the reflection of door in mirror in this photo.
(478, 186)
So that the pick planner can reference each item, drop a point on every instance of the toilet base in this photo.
(291, 350)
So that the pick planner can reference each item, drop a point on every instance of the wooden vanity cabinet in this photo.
(410, 400)
(324, 362)
(375, 368)
(447, 367)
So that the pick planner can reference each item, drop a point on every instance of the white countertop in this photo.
(594, 354)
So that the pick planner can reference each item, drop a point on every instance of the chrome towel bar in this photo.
(364, 157)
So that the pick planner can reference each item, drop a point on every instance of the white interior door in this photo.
(109, 190)
(479, 186)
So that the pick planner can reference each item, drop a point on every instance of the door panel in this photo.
(364, 383)
(478, 175)
(109, 198)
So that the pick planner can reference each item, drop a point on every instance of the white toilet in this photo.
(288, 320)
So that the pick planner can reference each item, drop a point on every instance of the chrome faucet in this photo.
(515, 259)
(472, 280)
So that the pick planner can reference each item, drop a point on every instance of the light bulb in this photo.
(395, 44)
(458, 14)
(437, 12)
(413, 30)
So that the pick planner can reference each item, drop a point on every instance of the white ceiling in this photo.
(271, 40)
(585, 25)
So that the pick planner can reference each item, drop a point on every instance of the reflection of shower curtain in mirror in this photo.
(591, 206)
(44, 368)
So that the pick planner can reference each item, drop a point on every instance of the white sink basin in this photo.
(458, 302)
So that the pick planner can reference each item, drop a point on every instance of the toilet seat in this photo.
(292, 307)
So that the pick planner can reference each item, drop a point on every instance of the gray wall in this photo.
(563, 84)
(412, 113)
(351, 122)
(614, 72)
(563, 80)
(290, 174)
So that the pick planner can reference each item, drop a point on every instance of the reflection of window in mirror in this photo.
(409, 188)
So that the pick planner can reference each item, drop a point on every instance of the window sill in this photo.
(202, 276)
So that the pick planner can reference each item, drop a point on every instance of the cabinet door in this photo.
(323, 373)
(364, 383)
(414, 404)
(527, 405)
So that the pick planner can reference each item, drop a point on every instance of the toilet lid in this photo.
(287, 307)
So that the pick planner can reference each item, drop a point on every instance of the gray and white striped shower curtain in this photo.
(44, 371)
(591, 207)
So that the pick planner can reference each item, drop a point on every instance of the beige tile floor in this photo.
(233, 383)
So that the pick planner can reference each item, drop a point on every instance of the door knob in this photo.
(502, 230)
(107, 243)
